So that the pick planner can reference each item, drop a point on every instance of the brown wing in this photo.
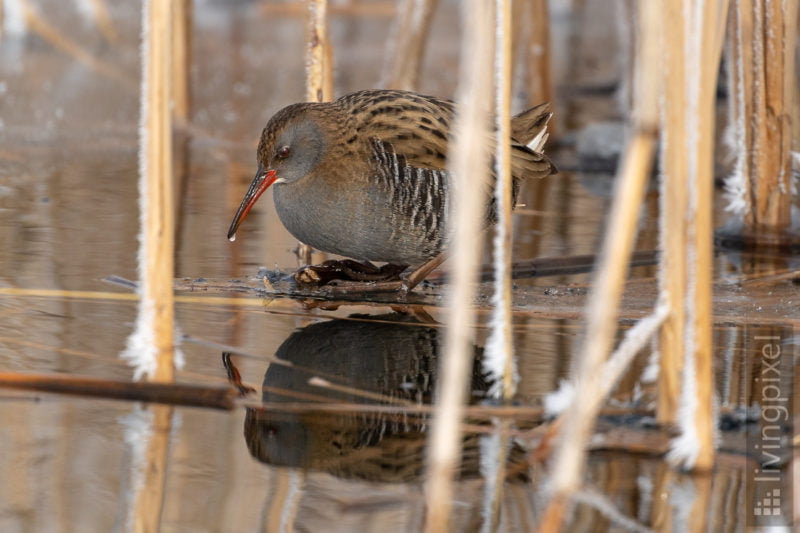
(416, 126)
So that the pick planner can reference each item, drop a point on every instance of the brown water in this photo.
(69, 218)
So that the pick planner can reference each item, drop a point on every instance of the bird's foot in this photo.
(346, 270)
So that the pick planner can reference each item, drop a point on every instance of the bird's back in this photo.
(416, 126)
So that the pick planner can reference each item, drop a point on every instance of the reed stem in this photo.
(762, 104)
(467, 166)
(156, 268)
(500, 357)
(673, 197)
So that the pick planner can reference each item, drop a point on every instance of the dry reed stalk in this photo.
(603, 306)
(703, 35)
(148, 486)
(156, 260)
(673, 197)
(410, 35)
(499, 360)
(762, 46)
(468, 167)
(500, 349)
(103, 20)
(319, 74)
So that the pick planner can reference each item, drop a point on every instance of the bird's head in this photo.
(291, 145)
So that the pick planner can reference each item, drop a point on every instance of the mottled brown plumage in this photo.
(365, 176)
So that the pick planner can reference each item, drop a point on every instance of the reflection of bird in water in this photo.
(392, 355)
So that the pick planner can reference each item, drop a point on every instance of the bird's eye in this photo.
(284, 152)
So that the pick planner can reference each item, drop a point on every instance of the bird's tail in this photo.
(529, 134)
(529, 128)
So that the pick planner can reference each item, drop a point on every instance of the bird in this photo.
(365, 176)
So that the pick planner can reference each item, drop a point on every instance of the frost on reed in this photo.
(734, 137)
(635, 339)
(761, 48)
(499, 360)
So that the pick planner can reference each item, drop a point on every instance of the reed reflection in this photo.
(389, 360)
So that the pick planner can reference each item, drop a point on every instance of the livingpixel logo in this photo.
(771, 484)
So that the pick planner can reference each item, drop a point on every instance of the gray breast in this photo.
(390, 218)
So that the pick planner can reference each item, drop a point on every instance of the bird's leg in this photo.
(346, 270)
(234, 377)
(421, 272)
